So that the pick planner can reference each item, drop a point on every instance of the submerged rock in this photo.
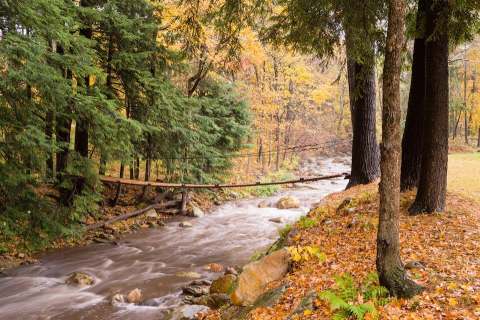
(276, 220)
(188, 274)
(185, 224)
(224, 284)
(80, 279)
(135, 296)
(288, 202)
(117, 298)
(256, 275)
(264, 204)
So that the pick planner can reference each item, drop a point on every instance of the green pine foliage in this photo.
(99, 64)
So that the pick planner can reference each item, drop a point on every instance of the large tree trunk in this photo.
(365, 152)
(390, 269)
(412, 142)
(432, 187)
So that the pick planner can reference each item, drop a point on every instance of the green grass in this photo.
(464, 174)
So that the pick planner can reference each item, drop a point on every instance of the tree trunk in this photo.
(390, 269)
(365, 151)
(81, 128)
(478, 139)
(412, 141)
(122, 170)
(131, 170)
(103, 166)
(81, 138)
(465, 93)
(49, 135)
(137, 168)
(455, 128)
(432, 187)
(62, 132)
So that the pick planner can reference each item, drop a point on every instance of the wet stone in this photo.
(224, 284)
(80, 279)
(185, 224)
(135, 296)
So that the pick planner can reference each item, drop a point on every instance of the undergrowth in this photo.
(349, 301)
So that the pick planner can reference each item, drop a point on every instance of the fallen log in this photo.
(133, 214)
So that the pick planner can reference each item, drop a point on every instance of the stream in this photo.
(152, 259)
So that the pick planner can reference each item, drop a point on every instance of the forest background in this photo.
(165, 91)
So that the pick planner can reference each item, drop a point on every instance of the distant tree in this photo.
(390, 269)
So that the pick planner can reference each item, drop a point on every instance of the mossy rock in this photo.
(224, 285)
(267, 299)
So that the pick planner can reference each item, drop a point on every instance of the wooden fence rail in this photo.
(105, 179)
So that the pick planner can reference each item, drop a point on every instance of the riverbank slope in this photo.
(440, 252)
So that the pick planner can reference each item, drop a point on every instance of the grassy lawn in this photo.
(464, 174)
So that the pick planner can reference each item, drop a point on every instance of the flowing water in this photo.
(152, 259)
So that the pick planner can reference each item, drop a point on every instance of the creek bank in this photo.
(237, 291)
(159, 261)
(111, 233)
(344, 230)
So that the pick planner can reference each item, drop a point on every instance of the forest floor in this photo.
(440, 250)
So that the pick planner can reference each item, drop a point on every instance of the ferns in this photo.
(307, 223)
(347, 298)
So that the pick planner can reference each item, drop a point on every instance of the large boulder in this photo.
(288, 202)
(80, 279)
(256, 275)
(224, 284)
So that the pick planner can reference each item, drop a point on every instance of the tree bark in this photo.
(49, 134)
(390, 269)
(122, 169)
(62, 132)
(478, 139)
(432, 187)
(412, 141)
(365, 151)
(81, 128)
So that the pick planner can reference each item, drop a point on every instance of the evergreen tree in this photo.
(320, 28)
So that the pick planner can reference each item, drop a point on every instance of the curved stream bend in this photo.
(150, 259)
